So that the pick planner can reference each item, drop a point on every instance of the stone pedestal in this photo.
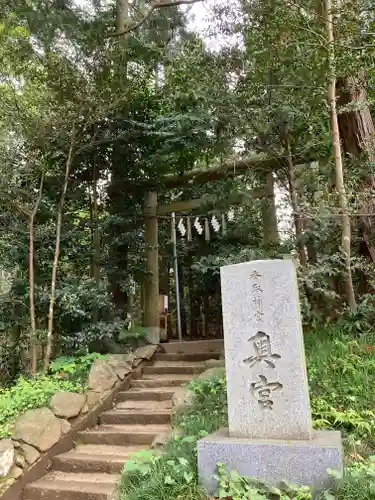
(303, 462)
(270, 433)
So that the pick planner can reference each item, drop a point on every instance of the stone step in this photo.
(171, 369)
(94, 458)
(69, 486)
(174, 356)
(142, 404)
(149, 394)
(192, 347)
(122, 435)
(161, 381)
(135, 417)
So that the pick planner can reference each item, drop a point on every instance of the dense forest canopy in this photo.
(103, 102)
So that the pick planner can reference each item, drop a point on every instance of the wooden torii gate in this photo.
(264, 167)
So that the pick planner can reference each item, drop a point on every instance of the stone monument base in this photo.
(304, 462)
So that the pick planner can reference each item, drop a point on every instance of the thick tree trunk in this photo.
(357, 129)
(336, 146)
(358, 137)
(34, 343)
(49, 347)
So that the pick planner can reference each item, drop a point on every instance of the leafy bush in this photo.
(11, 360)
(210, 409)
(133, 336)
(358, 483)
(150, 476)
(74, 367)
(92, 333)
(29, 394)
(236, 487)
(79, 303)
(341, 377)
(362, 319)
(66, 373)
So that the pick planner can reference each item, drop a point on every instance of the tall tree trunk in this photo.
(96, 234)
(151, 314)
(298, 222)
(356, 125)
(91, 234)
(269, 215)
(34, 343)
(336, 146)
(48, 353)
(358, 137)
(118, 251)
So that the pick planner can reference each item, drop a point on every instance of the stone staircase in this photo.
(91, 470)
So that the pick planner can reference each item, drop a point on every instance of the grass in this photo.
(341, 374)
(358, 483)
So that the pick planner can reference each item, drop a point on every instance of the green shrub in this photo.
(362, 319)
(93, 334)
(236, 487)
(74, 367)
(29, 394)
(341, 374)
(150, 476)
(210, 409)
(358, 483)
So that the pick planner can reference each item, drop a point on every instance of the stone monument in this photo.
(270, 433)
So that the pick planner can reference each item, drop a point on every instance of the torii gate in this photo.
(264, 167)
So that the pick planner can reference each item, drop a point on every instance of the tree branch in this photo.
(154, 6)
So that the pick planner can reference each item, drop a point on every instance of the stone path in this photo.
(91, 470)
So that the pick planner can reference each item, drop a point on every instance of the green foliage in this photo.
(358, 483)
(29, 394)
(93, 332)
(361, 424)
(236, 487)
(148, 476)
(66, 373)
(209, 411)
(133, 335)
(341, 376)
(362, 319)
(73, 367)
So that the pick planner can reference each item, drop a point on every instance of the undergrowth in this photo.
(65, 374)
(341, 374)
(358, 483)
